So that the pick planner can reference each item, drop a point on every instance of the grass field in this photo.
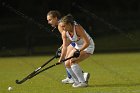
(110, 73)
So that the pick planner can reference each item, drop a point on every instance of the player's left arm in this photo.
(81, 33)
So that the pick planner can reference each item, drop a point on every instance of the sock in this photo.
(69, 76)
(78, 72)
(75, 79)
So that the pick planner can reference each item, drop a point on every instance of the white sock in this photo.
(78, 72)
(75, 79)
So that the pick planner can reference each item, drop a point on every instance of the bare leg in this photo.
(69, 77)
(73, 64)
(69, 48)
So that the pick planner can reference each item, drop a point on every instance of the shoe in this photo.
(68, 81)
(75, 85)
(86, 76)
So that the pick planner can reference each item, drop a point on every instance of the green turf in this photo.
(110, 73)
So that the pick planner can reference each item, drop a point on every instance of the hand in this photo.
(60, 60)
(58, 53)
(76, 53)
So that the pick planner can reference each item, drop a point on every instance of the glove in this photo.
(76, 53)
(58, 53)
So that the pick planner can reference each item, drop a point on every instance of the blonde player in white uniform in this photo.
(53, 18)
(73, 32)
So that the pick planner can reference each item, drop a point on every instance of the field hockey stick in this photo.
(37, 71)
(17, 81)
(74, 55)
(51, 66)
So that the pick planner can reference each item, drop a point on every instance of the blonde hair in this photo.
(67, 19)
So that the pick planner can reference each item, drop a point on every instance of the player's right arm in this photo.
(64, 46)
(60, 29)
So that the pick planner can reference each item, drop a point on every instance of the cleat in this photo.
(68, 81)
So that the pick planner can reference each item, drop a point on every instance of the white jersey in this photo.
(79, 42)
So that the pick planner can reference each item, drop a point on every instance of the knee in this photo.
(67, 64)
(73, 61)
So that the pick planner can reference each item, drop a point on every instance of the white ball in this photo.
(10, 88)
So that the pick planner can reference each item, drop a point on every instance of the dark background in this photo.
(113, 24)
